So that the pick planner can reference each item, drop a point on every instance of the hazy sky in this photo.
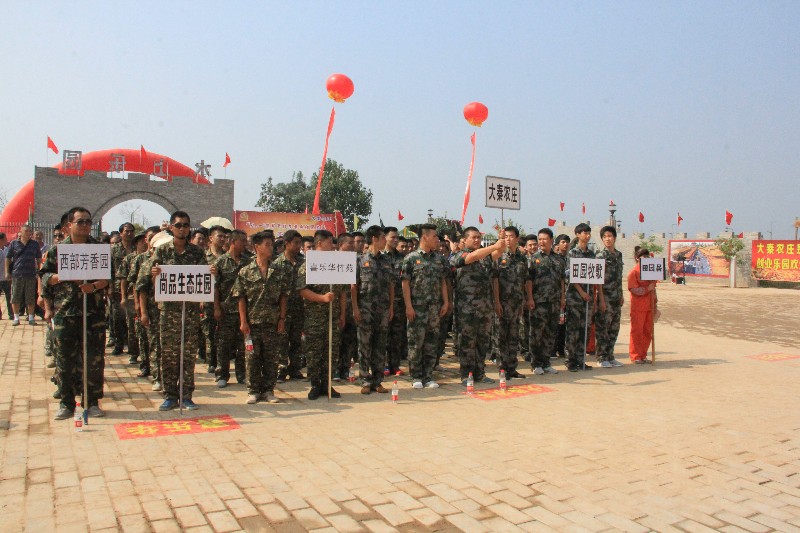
(660, 106)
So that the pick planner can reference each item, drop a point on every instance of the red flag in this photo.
(728, 218)
(641, 216)
(583, 208)
(315, 209)
(741, 235)
(551, 222)
(469, 179)
(562, 205)
(227, 160)
(480, 218)
(680, 218)
(51, 145)
(400, 215)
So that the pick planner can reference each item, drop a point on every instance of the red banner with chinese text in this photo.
(306, 223)
(776, 260)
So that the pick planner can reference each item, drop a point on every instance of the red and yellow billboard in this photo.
(776, 260)
(254, 221)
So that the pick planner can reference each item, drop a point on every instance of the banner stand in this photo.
(183, 343)
(585, 332)
(330, 342)
(85, 399)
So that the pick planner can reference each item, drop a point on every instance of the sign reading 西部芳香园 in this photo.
(652, 269)
(586, 271)
(503, 193)
(776, 260)
(184, 283)
(77, 262)
(330, 268)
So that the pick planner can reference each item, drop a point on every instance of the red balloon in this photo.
(340, 87)
(476, 113)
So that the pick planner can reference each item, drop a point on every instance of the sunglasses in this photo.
(181, 225)
(84, 222)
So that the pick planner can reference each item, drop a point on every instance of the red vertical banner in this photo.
(469, 179)
(315, 209)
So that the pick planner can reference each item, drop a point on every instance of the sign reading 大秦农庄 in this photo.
(503, 193)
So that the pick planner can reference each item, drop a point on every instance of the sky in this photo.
(662, 107)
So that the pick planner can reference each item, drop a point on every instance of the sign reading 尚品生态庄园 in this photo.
(776, 260)
(330, 268)
(503, 193)
(652, 269)
(587, 271)
(77, 262)
(184, 283)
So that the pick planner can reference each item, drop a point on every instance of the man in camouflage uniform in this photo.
(547, 278)
(318, 298)
(512, 293)
(560, 249)
(261, 292)
(64, 301)
(217, 245)
(474, 273)
(133, 277)
(127, 293)
(230, 343)
(291, 259)
(525, 321)
(177, 252)
(397, 325)
(373, 299)
(149, 314)
(608, 316)
(426, 300)
(446, 250)
(120, 321)
(577, 298)
(348, 345)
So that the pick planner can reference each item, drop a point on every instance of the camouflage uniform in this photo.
(473, 312)
(119, 320)
(607, 324)
(525, 334)
(576, 314)
(207, 347)
(141, 331)
(123, 271)
(348, 346)
(230, 342)
(144, 284)
(316, 329)
(67, 299)
(291, 342)
(374, 277)
(512, 272)
(396, 339)
(263, 311)
(547, 275)
(446, 322)
(49, 336)
(424, 272)
(170, 325)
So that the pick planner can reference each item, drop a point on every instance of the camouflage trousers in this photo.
(494, 350)
(209, 327)
(474, 339)
(423, 342)
(348, 347)
(544, 321)
(575, 337)
(316, 349)
(372, 334)
(445, 326)
(607, 330)
(396, 339)
(170, 333)
(230, 345)
(154, 341)
(144, 347)
(262, 360)
(69, 357)
(49, 341)
(291, 345)
(508, 338)
(119, 322)
(130, 328)
(525, 333)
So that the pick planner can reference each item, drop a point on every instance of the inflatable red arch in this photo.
(22, 204)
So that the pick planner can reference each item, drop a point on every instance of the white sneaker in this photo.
(614, 362)
(640, 362)
(538, 371)
(252, 398)
(270, 397)
(606, 364)
(550, 370)
(157, 386)
(417, 385)
(221, 384)
(432, 385)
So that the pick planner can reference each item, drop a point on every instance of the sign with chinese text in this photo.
(330, 268)
(77, 262)
(502, 193)
(515, 391)
(587, 271)
(776, 260)
(306, 223)
(697, 258)
(652, 269)
(184, 426)
(185, 283)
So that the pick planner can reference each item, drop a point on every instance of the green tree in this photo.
(291, 197)
(731, 247)
(650, 244)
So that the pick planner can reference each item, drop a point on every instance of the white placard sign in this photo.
(330, 268)
(77, 262)
(185, 283)
(503, 193)
(586, 271)
(653, 269)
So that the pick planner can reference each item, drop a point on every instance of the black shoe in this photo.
(573, 368)
(335, 394)
(587, 367)
(143, 374)
(117, 350)
(515, 374)
(314, 393)
(57, 395)
(134, 360)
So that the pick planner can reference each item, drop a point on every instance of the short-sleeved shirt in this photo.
(118, 253)
(473, 290)
(317, 313)
(66, 296)
(576, 253)
(227, 272)
(374, 275)
(512, 274)
(24, 258)
(612, 288)
(424, 272)
(295, 303)
(262, 292)
(166, 254)
(547, 274)
(396, 259)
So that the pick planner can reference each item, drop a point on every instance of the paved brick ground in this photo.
(707, 439)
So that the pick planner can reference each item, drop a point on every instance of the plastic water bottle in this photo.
(470, 384)
(351, 375)
(248, 343)
(503, 381)
(395, 393)
(78, 419)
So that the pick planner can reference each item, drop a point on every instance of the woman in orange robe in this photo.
(644, 302)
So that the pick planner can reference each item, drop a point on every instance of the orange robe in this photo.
(641, 317)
